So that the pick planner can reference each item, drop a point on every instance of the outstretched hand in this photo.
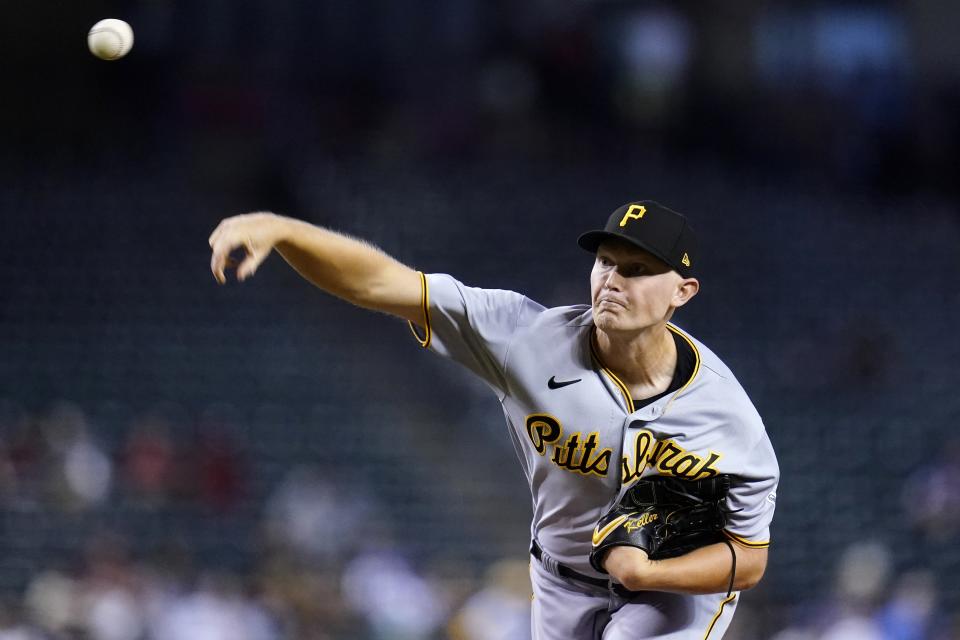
(255, 233)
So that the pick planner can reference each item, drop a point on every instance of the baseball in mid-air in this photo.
(110, 39)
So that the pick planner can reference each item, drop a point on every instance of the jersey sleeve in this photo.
(472, 326)
(753, 497)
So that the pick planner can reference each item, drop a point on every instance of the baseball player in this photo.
(604, 403)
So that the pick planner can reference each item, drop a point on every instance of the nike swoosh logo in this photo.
(600, 534)
(553, 384)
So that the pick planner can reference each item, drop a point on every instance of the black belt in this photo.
(616, 587)
(573, 574)
(566, 571)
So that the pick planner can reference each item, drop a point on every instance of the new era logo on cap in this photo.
(653, 228)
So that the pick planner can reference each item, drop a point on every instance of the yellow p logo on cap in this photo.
(634, 212)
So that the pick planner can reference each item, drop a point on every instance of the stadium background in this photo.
(180, 460)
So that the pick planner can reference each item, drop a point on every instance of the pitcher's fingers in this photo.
(248, 266)
(219, 231)
(218, 260)
(215, 234)
(217, 270)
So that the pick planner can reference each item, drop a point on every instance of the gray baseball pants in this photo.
(565, 609)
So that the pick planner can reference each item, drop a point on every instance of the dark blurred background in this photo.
(260, 461)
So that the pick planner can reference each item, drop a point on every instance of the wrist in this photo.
(629, 566)
(282, 230)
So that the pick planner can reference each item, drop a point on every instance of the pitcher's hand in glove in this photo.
(664, 517)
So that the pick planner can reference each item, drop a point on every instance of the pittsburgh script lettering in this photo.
(576, 454)
(667, 457)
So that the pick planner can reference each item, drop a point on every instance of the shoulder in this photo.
(573, 316)
(708, 360)
(445, 285)
(715, 388)
(445, 291)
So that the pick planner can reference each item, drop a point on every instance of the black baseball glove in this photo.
(664, 516)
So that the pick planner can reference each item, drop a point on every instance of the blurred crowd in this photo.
(58, 460)
(323, 563)
(374, 594)
(860, 95)
(870, 600)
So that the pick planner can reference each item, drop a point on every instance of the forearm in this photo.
(346, 267)
(704, 570)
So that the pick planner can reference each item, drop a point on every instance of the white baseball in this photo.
(110, 39)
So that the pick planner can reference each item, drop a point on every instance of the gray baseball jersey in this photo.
(579, 438)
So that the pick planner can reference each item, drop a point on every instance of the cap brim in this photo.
(591, 241)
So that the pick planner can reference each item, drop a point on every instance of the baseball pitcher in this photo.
(652, 477)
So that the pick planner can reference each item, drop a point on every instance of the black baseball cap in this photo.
(652, 227)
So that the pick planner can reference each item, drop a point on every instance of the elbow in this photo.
(749, 576)
(746, 583)
(388, 285)
(355, 293)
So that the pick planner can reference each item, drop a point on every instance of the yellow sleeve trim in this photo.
(425, 308)
(745, 542)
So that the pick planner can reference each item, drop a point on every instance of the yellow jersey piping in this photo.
(716, 616)
(623, 387)
(611, 375)
(747, 543)
(425, 308)
(696, 365)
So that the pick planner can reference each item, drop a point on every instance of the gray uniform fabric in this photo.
(563, 609)
(581, 443)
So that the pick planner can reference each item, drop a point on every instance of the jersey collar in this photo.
(660, 407)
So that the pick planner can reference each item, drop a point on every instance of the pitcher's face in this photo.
(632, 290)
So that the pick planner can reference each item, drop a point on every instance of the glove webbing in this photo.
(701, 518)
(661, 491)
